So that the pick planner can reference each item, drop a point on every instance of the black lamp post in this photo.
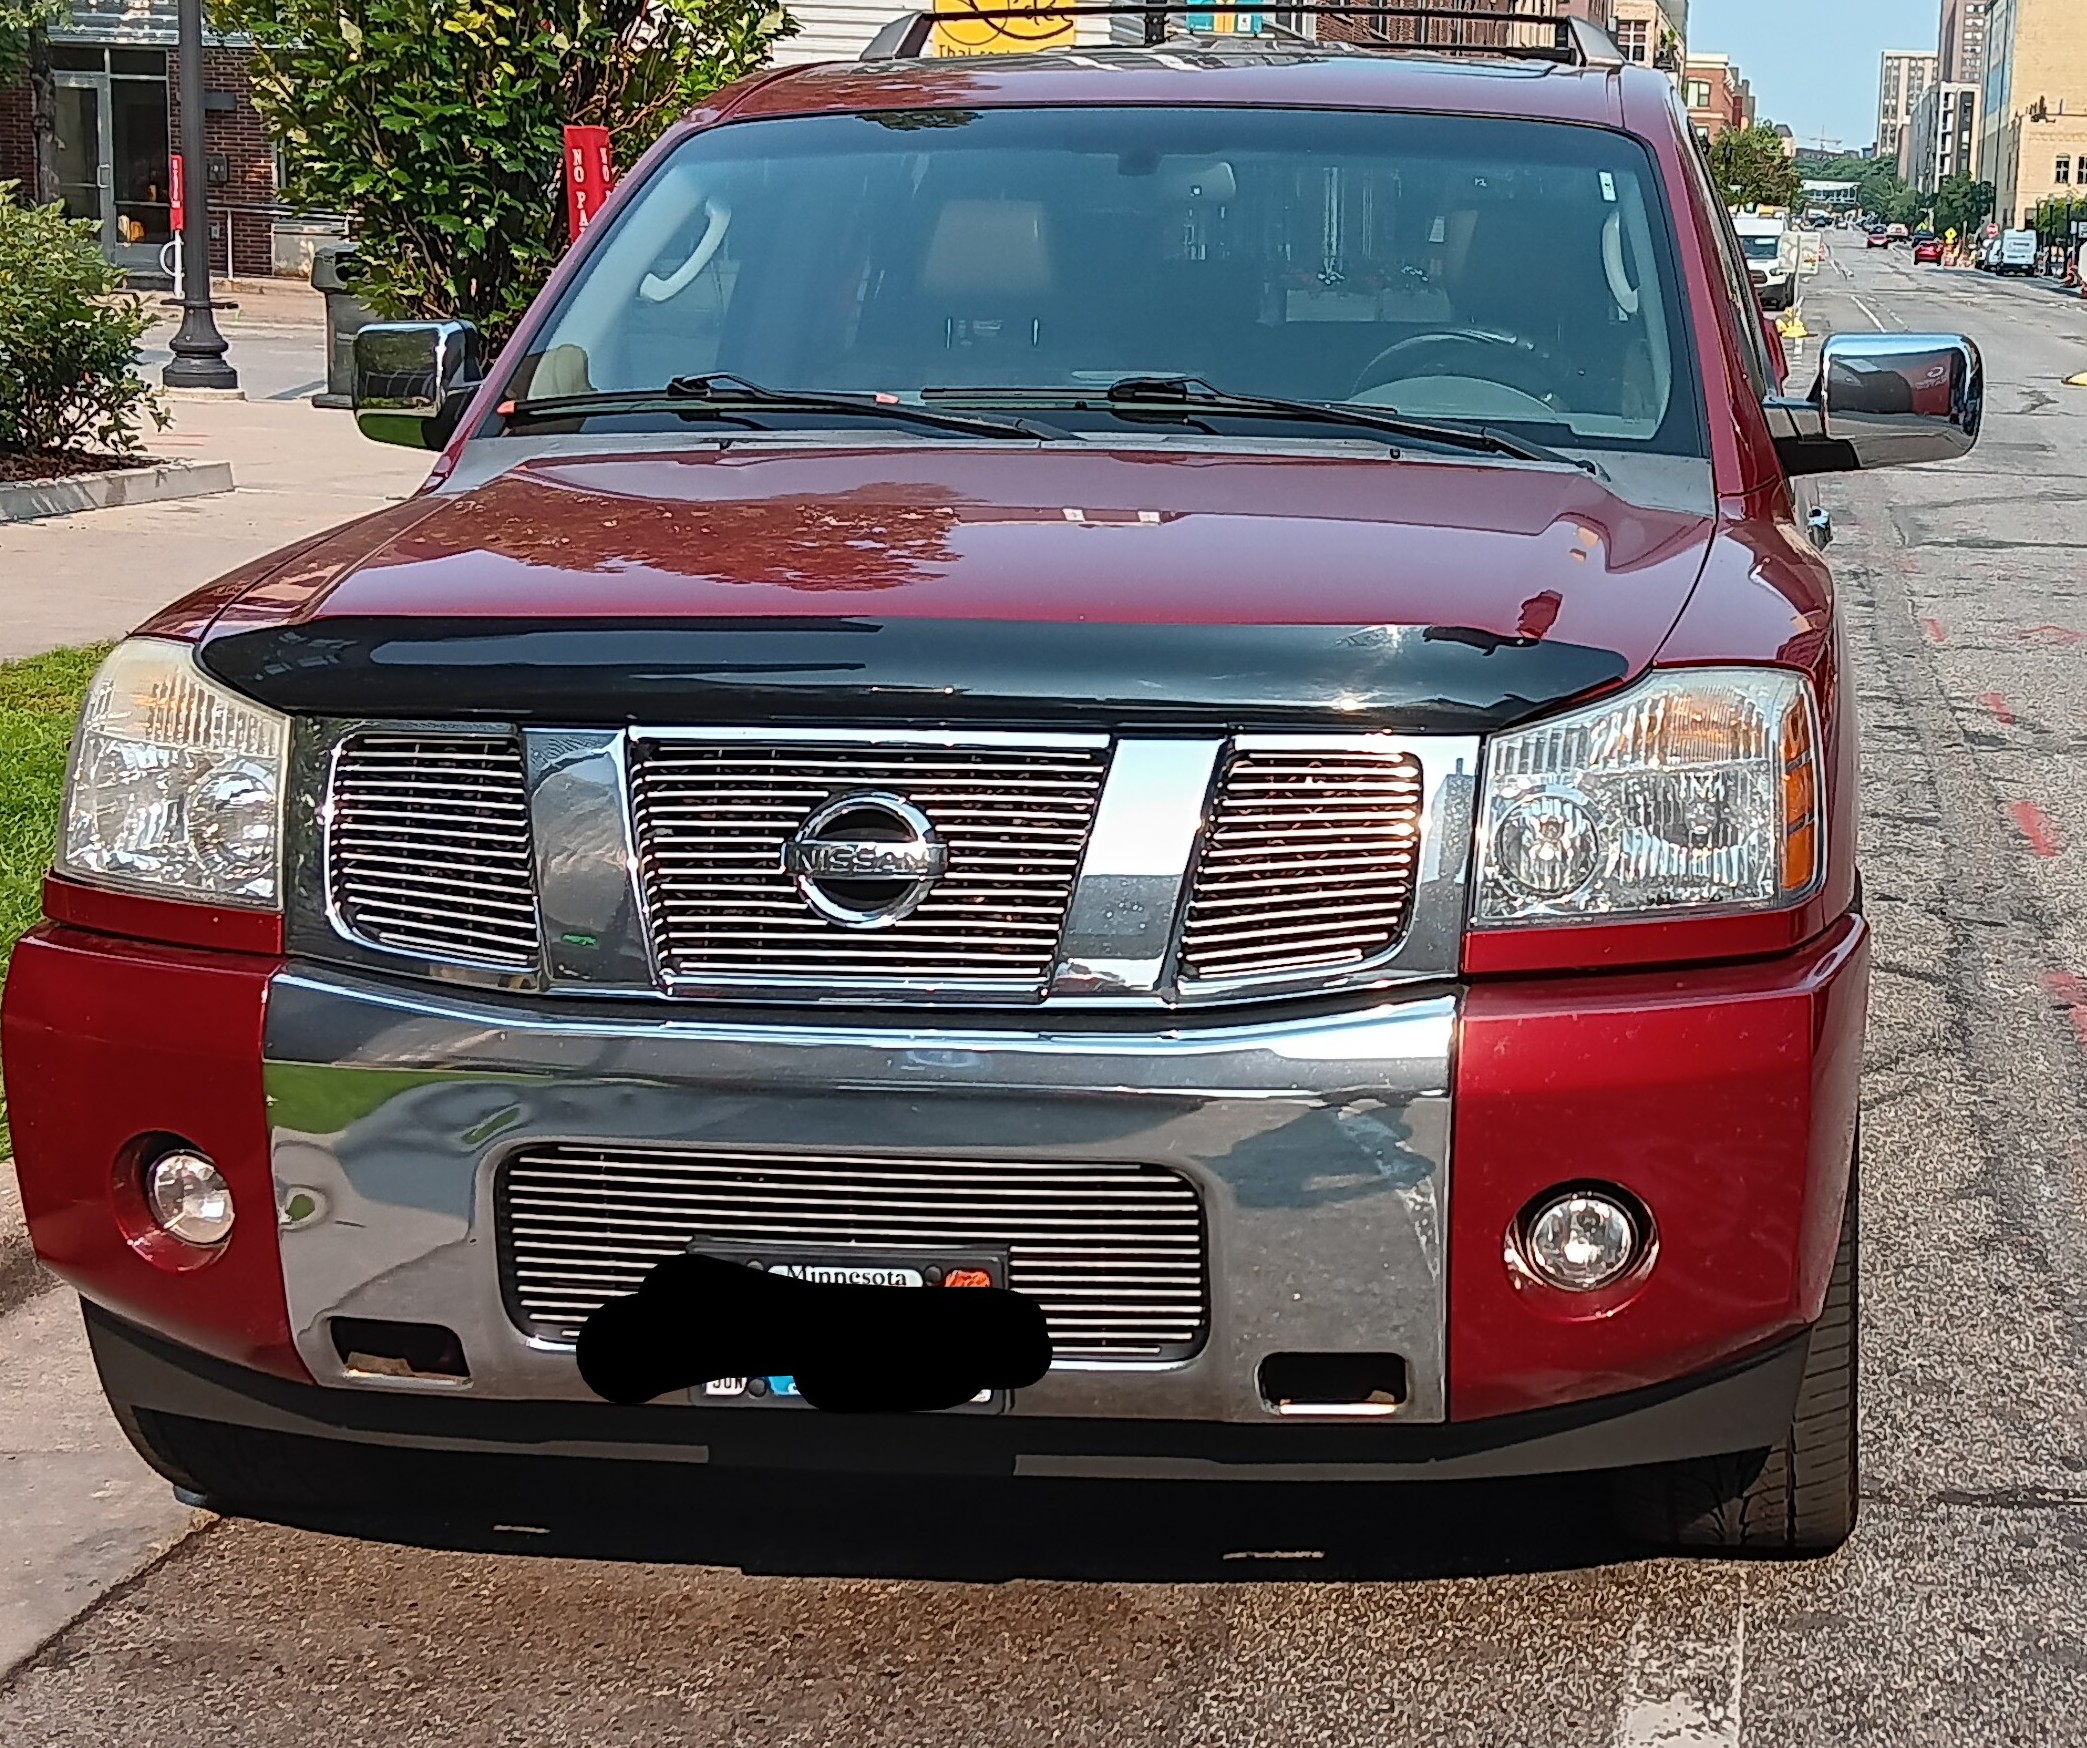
(199, 349)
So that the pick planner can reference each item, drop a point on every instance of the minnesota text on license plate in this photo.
(980, 1269)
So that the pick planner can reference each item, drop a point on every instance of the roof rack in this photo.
(1571, 42)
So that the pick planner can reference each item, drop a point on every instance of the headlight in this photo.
(1691, 791)
(176, 784)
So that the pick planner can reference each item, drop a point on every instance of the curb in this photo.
(162, 481)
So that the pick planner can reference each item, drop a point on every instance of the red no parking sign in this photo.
(590, 173)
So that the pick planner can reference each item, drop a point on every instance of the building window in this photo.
(2064, 172)
(1699, 94)
(1631, 38)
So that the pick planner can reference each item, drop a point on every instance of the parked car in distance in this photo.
(1293, 833)
(1928, 253)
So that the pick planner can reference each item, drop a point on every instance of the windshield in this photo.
(1511, 274)
(1762, 248)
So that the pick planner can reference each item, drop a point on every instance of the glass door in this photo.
(83, 149)
(137, 135)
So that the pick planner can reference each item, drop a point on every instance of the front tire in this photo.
(1797, 1500)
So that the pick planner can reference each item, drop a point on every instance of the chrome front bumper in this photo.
(1319, 1146)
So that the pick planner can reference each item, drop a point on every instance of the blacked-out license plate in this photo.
(936, 1270)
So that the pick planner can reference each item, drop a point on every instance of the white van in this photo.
(2016, 254)
(1771, 256)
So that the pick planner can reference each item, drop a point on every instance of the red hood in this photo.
(1064, 538)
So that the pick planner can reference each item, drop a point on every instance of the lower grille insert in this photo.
(1114, 1253)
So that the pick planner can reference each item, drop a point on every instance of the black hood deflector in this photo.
(1424, 679)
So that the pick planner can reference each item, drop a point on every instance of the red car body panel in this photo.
(1725, 1098)
(186, 1027)
(915, 532)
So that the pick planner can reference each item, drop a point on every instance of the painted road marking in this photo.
(1998, 708)
(1683, 1693)
(2045, 839)
(1932, 630)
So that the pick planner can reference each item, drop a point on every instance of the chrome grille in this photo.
(1308, 864)
(427, 847)
(713, 815)
(1114, 1253)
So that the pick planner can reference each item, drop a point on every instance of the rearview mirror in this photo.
(1883, 400)
(414, 379)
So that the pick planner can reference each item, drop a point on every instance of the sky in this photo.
(1813, 63)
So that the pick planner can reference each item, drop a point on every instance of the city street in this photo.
(1048, 1612)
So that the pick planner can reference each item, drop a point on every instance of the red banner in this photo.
(589, 175)
(178, 216)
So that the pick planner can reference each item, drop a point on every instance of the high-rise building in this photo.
(1905, 74)
(2033, 115)
(1943, 135)
(1963, 42)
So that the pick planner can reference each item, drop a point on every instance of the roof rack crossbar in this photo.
(1570, 41)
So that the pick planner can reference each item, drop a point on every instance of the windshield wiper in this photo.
(724, 395)
(1186, 394)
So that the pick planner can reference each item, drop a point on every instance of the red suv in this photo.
(1185, 689)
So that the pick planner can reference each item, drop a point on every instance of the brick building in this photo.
(1653, 32)
(1718, 97)
(119, 121)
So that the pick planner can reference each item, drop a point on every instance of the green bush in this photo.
(68, 341)
(39, 698)
(438, 124)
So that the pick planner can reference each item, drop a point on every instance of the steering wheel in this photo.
(1478, 352)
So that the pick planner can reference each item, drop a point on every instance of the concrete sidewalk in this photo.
(83, 1511)
(263, 303)
(92, 576)
(21, 1276)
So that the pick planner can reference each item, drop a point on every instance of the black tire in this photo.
(1798, 1500)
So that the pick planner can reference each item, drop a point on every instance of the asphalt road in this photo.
(1498, 1615)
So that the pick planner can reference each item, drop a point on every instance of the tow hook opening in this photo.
(1354, 1384)
(376, 1347)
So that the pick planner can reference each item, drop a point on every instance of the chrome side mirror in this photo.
(1883, 400)
(414, 379)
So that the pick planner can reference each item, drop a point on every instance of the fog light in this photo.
(189, 1198)
(1583, 1241)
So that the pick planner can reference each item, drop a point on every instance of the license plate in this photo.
(938, 1272)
